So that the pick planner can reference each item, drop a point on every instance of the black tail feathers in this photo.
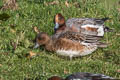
(107, 29)
(104, 19)
(101, 21)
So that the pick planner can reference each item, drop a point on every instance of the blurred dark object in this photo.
(4, 16)
(84, 76)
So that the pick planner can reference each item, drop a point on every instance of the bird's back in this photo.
(89, 26)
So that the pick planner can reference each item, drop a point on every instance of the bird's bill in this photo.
(36, 46)
(56, 26)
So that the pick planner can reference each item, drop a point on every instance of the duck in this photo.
(83, 76)
(68, 43)
(90, 26)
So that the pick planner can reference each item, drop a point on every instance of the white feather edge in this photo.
(100, 28)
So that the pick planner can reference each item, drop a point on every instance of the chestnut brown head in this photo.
(41, 39)
(59, 20)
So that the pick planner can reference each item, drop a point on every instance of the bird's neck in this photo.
(49, 45)
(62, 27)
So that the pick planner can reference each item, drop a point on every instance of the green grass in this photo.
(15, 66)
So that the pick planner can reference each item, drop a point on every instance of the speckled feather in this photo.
(79, 37)
(84, 76)
(88, 76)
(83, 21)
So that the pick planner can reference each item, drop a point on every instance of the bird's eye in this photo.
(40, 38)
(60, 18)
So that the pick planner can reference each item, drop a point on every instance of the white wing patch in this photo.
(92, 26)
(100, 30)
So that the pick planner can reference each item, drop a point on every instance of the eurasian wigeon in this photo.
(89, 26)
(72, 44)
(84, 76)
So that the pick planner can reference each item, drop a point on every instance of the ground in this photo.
(17, 35)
